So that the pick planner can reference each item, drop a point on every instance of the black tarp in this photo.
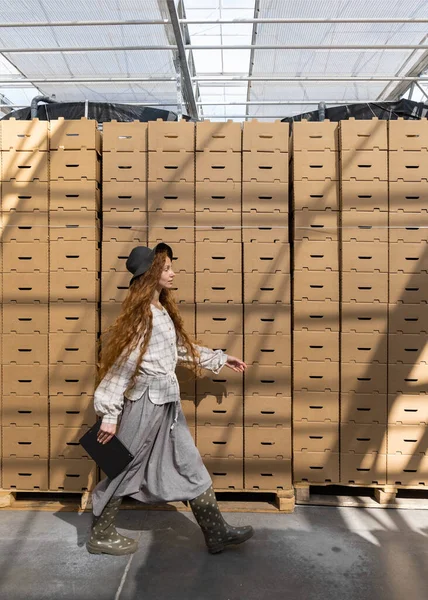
(382, 110)
(100, 111)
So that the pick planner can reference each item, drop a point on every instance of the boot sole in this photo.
(218, 549)
(112, 551)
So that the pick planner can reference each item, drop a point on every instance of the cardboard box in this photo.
(64, 442)
(114, 256)
(24, 166)
(365, 257)
(170, 196)
(408, 227)
(219, 257)
(407, 439)
(71, 411)
(363, 469)
(114, 286)
(169, 136)
(223, 341)
(316, 286)
(316, 407)
(69, 256)
(408, 318)
(77, 195)
(265, 228)
(267, 167)
(408, 165)
(268, 319)
(74, 134)
(266, 257)
(267, 380)
(267, 442)
(316, 195)
(71, 380)
(315, 437)
(24, 196)
(24, 135)
(364, 165)
(364, 318)
(316, 345)
(316, 316)
(34, 289)
(224, 384)
(364, 347)
(25, 257)
(125, 226)
(364, 226)
(25, 349)
(408, 258)
(218, 287)
(218, 136)
(124, 166)
(25, 442)
(74, 165)
(364, 195)
(316, 165)
(407, 470)
(360, 287)
(110, 310)
(218, 318)
(74, 226)
(267, 474)
(262, 197)
(362, 438)
(220, 442)
(73, 348)
(316, 467)
(211, 227)
(316, 225)
(407, 348)
(363, 378)
(218, 197)
(184, 287)
(170, 227)
(218, 166)
(73, 318)
(408, 409)
(364, 408)
(270, 411)
(125, 196)
(226, 473)
(72, 286)
(408, 135)
(171, 166)
(405, 288)
(311, 135)
(316, 376)
(260, 136)
(316, 256)
(188, 406)
(25, 318)
(229, 411)
(25, 227)
(359, 134)
(22, 474)
(407, 379)
(408, 196)
(72, 475)
(124, 136)
(267, 350)
(25, 411)
(266, 288)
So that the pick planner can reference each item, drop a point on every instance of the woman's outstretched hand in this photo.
(106, 432)
(236, 364)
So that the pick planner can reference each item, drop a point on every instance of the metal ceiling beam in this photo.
(419, 67)
(253, 43)
(285, 102)
(189, 96)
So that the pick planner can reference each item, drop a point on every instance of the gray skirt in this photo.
(167, 466)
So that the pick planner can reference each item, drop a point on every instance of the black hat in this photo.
(141, 259)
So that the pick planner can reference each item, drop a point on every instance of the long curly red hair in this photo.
(135, 321)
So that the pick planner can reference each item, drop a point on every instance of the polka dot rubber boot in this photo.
(217, 533)
(105, 539)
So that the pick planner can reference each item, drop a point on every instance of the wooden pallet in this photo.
(43, 500)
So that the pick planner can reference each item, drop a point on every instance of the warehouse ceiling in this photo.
(335, 51)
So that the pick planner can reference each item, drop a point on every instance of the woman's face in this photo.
(167, 276)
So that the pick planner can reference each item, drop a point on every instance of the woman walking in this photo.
(138, 385)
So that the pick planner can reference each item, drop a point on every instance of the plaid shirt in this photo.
(156, 372)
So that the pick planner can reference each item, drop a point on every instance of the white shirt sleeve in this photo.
(212, 360)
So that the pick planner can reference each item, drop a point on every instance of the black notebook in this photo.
(112, 457)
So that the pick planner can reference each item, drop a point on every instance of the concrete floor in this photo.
(317, 553)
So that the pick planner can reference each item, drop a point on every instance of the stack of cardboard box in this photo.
(25, 284)
(74, 268)
(316, 302)
(364, 319)
(407, 460)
